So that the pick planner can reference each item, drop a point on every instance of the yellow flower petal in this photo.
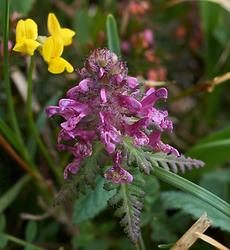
(56, 30)
(26, 46)
(31, 29)
(26, 29)
(20, 30)
(52, 48)
(67, 35)
(53, 24)
(59, 65)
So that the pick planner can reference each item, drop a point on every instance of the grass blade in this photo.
(190, 187)
(8, 197)
(112, 35)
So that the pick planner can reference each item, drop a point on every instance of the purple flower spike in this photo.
(118, 175)
(108, 105)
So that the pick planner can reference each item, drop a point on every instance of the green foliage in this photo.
(112, 35)
(213, 149)
(195, 207)
(3, 240)
(146, 161)
(173, 163)
(7, 198)
(91, 204)
(2, 222)
(85, 179)
(128, 202)
(193, 189)
(9, 135)
(31, 231)
(218, 182)
(136, 155)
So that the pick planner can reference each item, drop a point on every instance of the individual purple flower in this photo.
(117, 174)
(108, 105)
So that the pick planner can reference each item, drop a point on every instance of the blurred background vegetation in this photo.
(183, 45)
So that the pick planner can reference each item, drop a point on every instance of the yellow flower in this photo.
(56, 30)
(26, 35)
(51, 51)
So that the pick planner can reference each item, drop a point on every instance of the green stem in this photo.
(140, 243)
(10, 104)
(22, 242)
(32, 124)
(7, 74)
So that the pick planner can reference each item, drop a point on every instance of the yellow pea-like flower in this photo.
(51, 51)
(56, 30)
(26, 35)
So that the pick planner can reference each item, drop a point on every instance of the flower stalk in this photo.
(11, 110)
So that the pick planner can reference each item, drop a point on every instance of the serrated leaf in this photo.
(8, 197)
(136, 155)
(3, 240)
(90, 205)
(112, 35)
(129, 203)
(84, 179)
(31, 231)
(195, 207)
(2, 222)
(172, 162)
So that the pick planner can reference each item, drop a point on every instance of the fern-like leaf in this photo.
(137, 156)
(83, 180)
(146, 160)
(172, 162)
(128, 202)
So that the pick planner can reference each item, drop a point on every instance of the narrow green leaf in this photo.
(8, 197)
(217, 182)
(2, 222)
(29, 247)
(213, 152)
(31, 231)
(3, 241)
(9, 135)
(112, 35)
(192, 188)
(165, 246)
(195, 207)
(91, 204)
